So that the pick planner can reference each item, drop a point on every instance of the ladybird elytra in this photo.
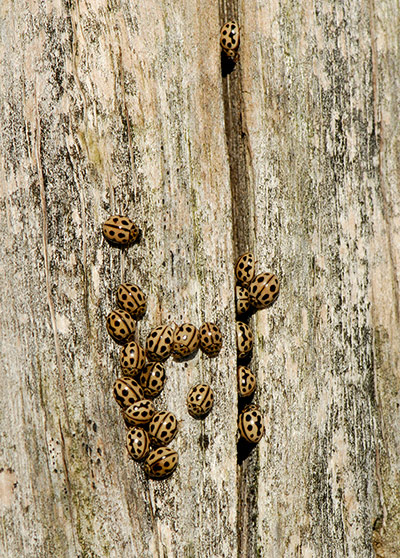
(120, 231)
(264, 290)
(132, 359)
(159, 343)
(152, 379)
(185, 340)
(121, 326)
(230, 38)
(137, 443)
(244, 340)
(161, 463)
(250, 424)
(132, 299)
(246, 381)
(139, 413)
(242, 300)
(127, 391)
(200, 400)
(245, 269)
(210, 338)
(162, 428)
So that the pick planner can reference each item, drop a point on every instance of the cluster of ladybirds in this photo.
(143, 374)
(253, 292)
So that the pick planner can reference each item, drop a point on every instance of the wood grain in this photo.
(121, 107)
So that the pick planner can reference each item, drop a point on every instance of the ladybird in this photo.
(246, 381)
(242, 300)
(210, 339)
(251, 426)
(162, 428)
(161, 463)
(138, 443)
(244, 339)
(127, 391)
(200, 400)
(121, 326)
(159, 343)
(132, 299)
(132, 359)
(230, 38)
(120, 231)
(264, 290)
(245, 269)
(140, 412)
(185, 340)
(152, 379)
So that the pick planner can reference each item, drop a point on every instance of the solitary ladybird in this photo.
(132, 299)
(121, 326)
(210, 339)
(200, 400)
(162, 428)
(246, 381)
(152, 379)
(245, 269)
(127, 391)
(139, 413)
(251, 426)
(264, 290)
(242, 300)
(159, 343)
(230, 39)
(161, 463)
(120, 231)
(244, 339)
(137, 443)
(132, 359)
(185, 340)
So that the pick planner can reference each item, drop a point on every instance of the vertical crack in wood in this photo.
(239, 154)
(46, 264)
(238, 171)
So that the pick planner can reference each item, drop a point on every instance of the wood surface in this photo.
(124, 107)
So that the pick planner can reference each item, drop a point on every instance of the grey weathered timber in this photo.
(121, 107)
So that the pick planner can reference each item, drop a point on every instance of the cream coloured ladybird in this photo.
(251, 426)
(121, 326)
(210, 339)
(246, 381)
(159, 343)
(242, 300)
(120, 231)
(185, 340)
(161, 463)
(152, 379)
(200, 400)
(137, 443)
(230, 39)
(162, 428)
(139, 413)
(127, 391)
(245, 269)
(132, 359)
(264, 290)
(132, 299)
(244, 340)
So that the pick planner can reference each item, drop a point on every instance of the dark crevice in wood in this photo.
(243, 240)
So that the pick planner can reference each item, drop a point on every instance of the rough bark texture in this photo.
(124, 107)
